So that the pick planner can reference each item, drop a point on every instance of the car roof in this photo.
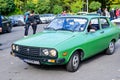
(85, 16)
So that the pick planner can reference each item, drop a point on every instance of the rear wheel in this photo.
(111, 49)
(74, 62)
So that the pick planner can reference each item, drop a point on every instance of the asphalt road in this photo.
(99, 67)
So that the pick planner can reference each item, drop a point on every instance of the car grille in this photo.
(29, 51)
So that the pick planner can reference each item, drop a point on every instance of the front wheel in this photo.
(111, 49)
(9, 29)
(74, 62)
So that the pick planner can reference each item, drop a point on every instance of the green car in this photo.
(68, 40)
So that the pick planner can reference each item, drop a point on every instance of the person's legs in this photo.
(34, 27)
(0, 44)
(26, 29)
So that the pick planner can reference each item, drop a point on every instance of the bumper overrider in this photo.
(37, 55)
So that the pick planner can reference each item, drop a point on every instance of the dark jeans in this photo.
(34, 27)
(0, 44)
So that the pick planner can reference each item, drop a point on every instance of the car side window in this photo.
(94, 24)
(104, 23)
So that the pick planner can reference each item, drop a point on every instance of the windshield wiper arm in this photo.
(65, 29)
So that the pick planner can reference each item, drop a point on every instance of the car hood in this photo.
(46, 39)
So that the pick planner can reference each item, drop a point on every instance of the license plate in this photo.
(31, 61)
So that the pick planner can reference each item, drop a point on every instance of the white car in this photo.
(46, 18)
(116, 21)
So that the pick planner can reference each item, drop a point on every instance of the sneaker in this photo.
(25, 36)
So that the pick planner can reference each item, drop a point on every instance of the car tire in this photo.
(74, 62)
(9, 29)
(111, 48)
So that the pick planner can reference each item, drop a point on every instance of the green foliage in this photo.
(43, 6)
(49, 6)
(57, 9)
(16, 11)
(30, 6)
(94, 5)
(6, 6)
(76, 6)
(114, 6)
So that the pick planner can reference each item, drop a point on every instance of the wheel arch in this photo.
(114, 40)
(81, 53)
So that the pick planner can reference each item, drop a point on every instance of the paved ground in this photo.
(99, 67)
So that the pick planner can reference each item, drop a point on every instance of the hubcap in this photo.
(75, 61)
(111, 47)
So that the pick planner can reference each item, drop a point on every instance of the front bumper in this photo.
(42, 60)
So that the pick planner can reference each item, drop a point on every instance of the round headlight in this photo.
(17, 48)
(46, 52)
(53, 53)
(13, 47)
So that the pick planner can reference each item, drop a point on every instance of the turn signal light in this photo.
(64, 54)
(51, 60)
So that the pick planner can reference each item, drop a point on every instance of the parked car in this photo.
(47, 18)
(37, 18)
(116, 21)
(6, 24)
(13, 21)
(68, 40)
(17, 20)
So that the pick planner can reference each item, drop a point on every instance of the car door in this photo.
(94, 40)
(106, 31)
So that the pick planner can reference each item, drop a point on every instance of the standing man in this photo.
(27, 22)
(33, 21)
(99, 11)
(0, 26)
(112, 14)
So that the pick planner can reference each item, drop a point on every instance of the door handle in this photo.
(102, 32)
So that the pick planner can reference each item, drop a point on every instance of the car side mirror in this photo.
(92, 30)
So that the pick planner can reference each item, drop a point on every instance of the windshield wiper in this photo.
(65, 29)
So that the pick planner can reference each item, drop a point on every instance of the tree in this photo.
(6, 6)
(57, 9)
(43, 6)
(76, 6)
(94, 5)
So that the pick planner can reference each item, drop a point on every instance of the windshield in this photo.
(68, 24)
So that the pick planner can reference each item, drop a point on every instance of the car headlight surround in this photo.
(17, 48)
(49, 52)
(45, 52)
(53, 53)
(13, 47)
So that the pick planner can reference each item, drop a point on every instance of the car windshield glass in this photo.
(68, 24)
